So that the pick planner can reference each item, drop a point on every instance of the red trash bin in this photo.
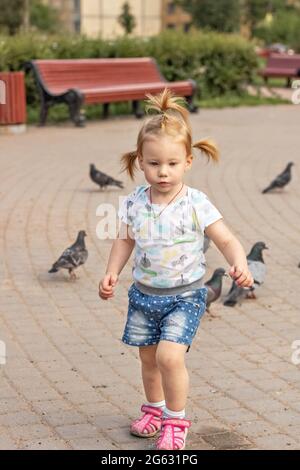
(12, 98)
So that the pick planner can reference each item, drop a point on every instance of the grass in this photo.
(59, 113)
(233, 100)
(272, 82)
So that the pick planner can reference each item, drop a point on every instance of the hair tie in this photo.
(163, 118)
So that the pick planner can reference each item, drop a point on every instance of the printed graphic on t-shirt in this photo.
(168, 248)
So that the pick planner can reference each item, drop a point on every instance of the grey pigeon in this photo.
(72, 257)
(214, 286)
(102, 179)
(281, 180)
(257, 268)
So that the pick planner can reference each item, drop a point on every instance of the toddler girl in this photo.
(165, 221)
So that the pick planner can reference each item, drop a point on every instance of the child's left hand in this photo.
(241, 275)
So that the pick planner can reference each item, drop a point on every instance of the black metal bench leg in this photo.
(43, 112)
(105, 113)
(288, 82)
(192, 107)
(137, 109)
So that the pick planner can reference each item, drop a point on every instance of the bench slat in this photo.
(78, 81)
(96, 72)
(282, 65)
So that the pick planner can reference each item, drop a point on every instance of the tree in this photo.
(126, 19)
(12, 14)
(220, 15)
(229, 15)
(44, 17)
(15, 14)
(254, 11)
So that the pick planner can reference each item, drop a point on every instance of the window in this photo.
(187, 27)
(171, 8)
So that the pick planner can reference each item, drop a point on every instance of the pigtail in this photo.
(209, 148)
(128, 162)
(167, 104)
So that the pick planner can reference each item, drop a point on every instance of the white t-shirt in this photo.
(169, 249)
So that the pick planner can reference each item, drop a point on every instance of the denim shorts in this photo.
(152, 318)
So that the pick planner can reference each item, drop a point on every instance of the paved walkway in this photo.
(285, 93)
(68, 381)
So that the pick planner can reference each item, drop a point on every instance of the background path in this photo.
(68, 381)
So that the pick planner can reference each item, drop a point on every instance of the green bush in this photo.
(44, 17)
(219, 63)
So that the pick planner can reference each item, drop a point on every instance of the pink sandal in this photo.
(149, 424)
(171, 438)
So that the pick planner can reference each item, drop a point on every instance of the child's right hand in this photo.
(107, 284)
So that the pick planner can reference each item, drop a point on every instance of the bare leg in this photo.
(151, 374)
(170, 358)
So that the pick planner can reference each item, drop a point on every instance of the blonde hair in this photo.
(172, 119)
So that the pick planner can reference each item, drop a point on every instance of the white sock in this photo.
(159, 404)
(174, 414)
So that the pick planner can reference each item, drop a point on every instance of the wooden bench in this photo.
(282, 65)
(79, 82)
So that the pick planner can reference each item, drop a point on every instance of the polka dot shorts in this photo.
(152, 318)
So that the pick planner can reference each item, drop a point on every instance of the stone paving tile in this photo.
(276, 442)
(76, 431)
(20, 418)
(283, 418)
(99, 443)
(6, 440)
(236, 415)
(69, 382)
(255, 429)
(12, 404)
(61, 418)
(226, 440)
(44, 444)
(138, 445)
(38, 431)
(266, 405)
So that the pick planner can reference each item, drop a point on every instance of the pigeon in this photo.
(72, 257)
(235, 295)
(214, 286)
(257, 268)
(102, 179)
(281, 180)
(206, 243)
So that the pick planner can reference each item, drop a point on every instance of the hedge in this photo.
(220, 63)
